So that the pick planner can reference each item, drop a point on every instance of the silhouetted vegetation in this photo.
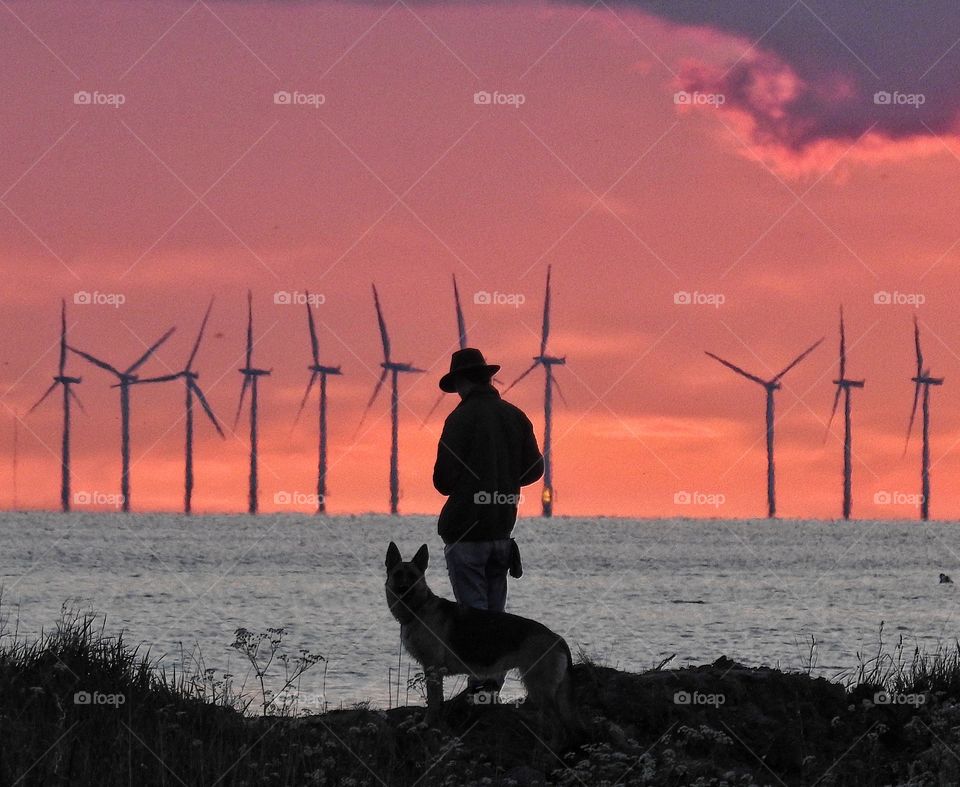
(80, 707)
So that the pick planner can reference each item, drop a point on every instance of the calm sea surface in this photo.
(628, 592)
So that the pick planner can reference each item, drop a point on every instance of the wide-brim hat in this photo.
(467, 359)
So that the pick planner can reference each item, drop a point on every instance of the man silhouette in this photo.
(486, 453)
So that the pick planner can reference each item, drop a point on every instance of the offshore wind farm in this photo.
(390, 375)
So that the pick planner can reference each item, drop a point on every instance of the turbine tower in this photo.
(61, 378)
(843, 388)
(922, 380)
(770, 386)
(318, 370)
(250, 377)
(192, 388)
(462, 339)
(126, 377)
(547, 362)
(393, 369)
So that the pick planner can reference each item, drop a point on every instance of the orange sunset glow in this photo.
(694, 183)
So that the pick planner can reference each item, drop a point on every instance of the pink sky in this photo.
(199, 185)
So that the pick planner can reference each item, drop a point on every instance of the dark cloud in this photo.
(842, 53)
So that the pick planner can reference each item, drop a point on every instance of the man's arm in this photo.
(532, 462)
(450, 456)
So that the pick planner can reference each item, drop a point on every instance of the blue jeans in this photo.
(478, 574)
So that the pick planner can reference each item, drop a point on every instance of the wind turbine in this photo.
(770, 386)
(462, 339)
(924, 380)
(843, 387)
(189, 378)
(61, 378)
(393, 369)
(321, 371)
(547, 362)
(250, 377)
(126, 377)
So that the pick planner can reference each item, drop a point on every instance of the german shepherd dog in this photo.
(448, 639)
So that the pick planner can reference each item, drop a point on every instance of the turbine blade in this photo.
(461, 325)
(162, 379)
(384, 338)
(799, 358)
(150, 351)
(913, 415)
(45, 395)
(249, 329)
(243, 392)
(833, 412)
(306, 395)
(916, 342)
(433, 409)
(373, 397)
(314, 343)
(96, 361)
(63, 336)
(532, 366)
(843, 348)
(196, 344)
(545, 331)
(77, 400)
(737, 369)
(560, 391)
(205, 405)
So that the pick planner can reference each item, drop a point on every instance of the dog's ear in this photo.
(421, 559)
(393, 556)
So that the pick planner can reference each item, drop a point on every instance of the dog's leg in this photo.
(434, 680)
(567, 708)
(549, 687)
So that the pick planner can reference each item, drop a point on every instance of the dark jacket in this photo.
(487, 452)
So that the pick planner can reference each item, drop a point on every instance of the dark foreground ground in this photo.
(721, 724)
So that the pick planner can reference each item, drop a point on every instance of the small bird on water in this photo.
(945, 580)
